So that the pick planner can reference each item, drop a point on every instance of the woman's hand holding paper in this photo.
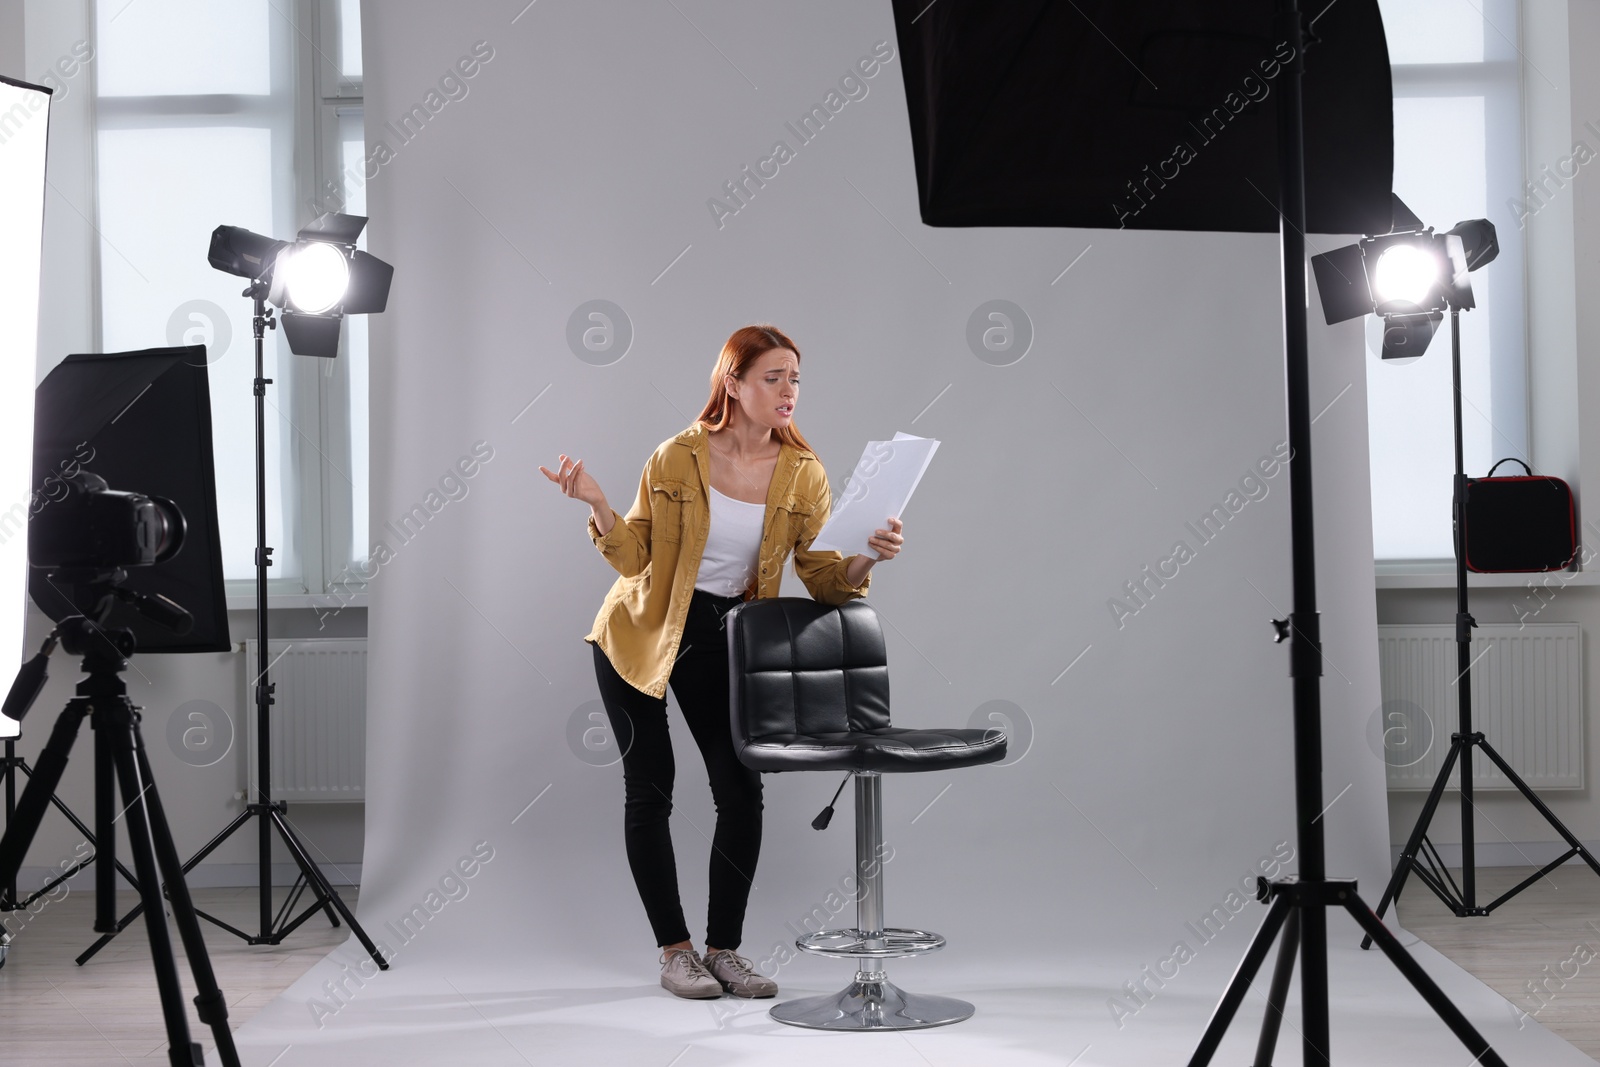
(887, 543)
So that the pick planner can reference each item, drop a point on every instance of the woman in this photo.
(720, 507)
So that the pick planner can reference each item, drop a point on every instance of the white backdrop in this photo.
(1150, 770)
(575, 165)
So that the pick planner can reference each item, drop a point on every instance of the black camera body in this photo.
(95, 526)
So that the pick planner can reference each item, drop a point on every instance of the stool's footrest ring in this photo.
(891, 942)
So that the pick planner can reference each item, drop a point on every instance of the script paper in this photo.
(879, 487)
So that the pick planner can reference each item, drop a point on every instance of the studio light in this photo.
(1410, 276)
(316, 279)
(313, 278)
(1404, 273)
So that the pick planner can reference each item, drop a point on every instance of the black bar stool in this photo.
(809, 691)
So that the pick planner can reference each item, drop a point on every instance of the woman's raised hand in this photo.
(576, 482)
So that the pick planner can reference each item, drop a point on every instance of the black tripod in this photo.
(1298, 905)
(1462, 899)
(272, 814)
(119, 753)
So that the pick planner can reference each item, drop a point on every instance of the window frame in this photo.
(320, 164)
(1510, 389)
(313, 394)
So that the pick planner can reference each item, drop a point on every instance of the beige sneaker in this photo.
(683, 975)
(733, 972)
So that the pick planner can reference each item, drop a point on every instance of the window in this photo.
(1458, 155)
(202, 119)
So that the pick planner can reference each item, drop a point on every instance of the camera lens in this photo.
(169, 527)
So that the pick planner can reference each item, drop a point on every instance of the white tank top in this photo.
(733, 545)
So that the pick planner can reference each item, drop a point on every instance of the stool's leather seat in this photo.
(808, 690)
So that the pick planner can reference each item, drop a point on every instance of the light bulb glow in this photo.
(315, 276)
(1405, 272)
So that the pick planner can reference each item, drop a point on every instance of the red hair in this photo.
(743, 347)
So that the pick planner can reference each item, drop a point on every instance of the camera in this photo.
(95, 526)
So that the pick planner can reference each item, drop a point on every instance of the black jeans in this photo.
(699, 680)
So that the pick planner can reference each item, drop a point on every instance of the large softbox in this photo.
(142, 421)
(1150, 115)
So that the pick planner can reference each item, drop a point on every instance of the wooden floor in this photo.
(107, 1012)
(1547, 935)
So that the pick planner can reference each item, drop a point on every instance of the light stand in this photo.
(1298, 905)
(272, 929)
(1462, 899)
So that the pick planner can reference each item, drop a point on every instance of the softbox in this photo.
(142, 421)
(1150, 116)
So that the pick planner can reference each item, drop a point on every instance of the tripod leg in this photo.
(1539, 805)
(1408, 855)
(105, 826)
(210, 1004)
(1314, 1031)
(324, 890)
(327, 908)
(287, 907)
(133, 795)
(1469, 858)
(36, 794)
(264, 860)
(8, 889)
(301, 884)
(1239, 984)
(1413, 972)
(1279, 991)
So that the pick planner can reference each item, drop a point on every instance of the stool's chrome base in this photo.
(871, 1002)
(876, 1004)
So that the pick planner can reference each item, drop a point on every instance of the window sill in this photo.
(1441, 574)
(247, 601)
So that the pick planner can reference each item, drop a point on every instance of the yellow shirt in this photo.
(656, 549)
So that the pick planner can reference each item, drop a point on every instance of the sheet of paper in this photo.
(879, 487)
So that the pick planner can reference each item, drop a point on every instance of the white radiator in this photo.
(1527, 699)
(318, 719)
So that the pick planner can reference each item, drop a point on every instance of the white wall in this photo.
(12, 29)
